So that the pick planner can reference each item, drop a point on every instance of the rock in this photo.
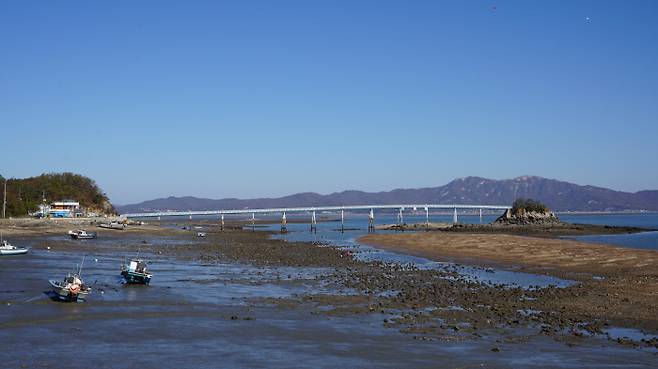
(522, 217)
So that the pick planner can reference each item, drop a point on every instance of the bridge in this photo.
(313, 209)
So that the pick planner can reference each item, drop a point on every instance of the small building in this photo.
(64, 209)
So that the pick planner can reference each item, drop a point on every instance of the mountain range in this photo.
(558, 195)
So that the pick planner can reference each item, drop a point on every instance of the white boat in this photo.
(81, 234)
(72, 288)
(7, 249)
(113, 225)
(201, 234)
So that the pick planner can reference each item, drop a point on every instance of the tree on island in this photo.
(522, 205)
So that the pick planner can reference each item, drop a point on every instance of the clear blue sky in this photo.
(250, 98)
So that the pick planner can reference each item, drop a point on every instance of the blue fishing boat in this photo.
(136, 272)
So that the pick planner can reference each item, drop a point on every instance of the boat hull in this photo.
(13, 252)
(113, 226)
(83, 237)
(136, 278)
(63, 294)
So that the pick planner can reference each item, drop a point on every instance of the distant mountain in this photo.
(558, 195)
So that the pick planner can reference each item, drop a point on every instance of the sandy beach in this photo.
(533, 253)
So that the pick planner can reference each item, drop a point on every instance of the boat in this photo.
(8, 249)
(72, 288)
(136, 272)
(113, 225)
(201, 234)
(81, 234)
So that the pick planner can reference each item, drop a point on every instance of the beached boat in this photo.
(72, 288)
(8, 249)
(201, 234)
(113, 225)
(81, 234)
(136, 272)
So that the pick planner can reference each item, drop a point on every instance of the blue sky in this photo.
(266, 98)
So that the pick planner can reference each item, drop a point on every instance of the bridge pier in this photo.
(454, 217)
(314, 223)
(342, 221)
(371, 221)
(284, 229)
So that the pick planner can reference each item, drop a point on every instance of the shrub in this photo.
(528, 205)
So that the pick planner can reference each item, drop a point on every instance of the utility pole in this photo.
(4, 201)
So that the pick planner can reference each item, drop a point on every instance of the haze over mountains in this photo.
(558, 195)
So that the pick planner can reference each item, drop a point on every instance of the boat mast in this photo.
(4, 201)
(80, 269)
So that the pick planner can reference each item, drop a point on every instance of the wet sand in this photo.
(544, 230)
(530, 252)
(243, 300)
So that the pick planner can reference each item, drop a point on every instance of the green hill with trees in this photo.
(24, 195)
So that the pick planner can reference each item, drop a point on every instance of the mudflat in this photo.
(616, 283)
(254, 301)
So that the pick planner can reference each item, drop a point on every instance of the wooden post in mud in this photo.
(314, 223)
(222, 226)
(371, 221)
(190, 222)
(427, 218)
(253, 221)
(401, 220)
(284, 229)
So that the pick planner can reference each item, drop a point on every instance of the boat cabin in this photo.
(137, 266)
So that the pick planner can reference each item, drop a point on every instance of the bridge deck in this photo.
(316, 209)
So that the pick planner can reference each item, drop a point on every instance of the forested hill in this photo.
(24, 195)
